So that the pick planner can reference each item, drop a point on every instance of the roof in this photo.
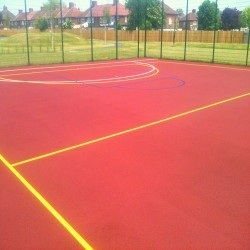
(6, 13)
(190, 17)
(169, 11)
(99, 10)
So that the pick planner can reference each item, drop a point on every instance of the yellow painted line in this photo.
(47, 205)
(205, 65)
(127, 131)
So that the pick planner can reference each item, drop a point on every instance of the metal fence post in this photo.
(91, 31)
(248, 40)
(162, 25)
(215, 24)
(62, 36)
(186, 27)
(145, 30)
(138, 27)
(116, 31)
(27, 32)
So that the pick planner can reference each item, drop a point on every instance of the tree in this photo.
(180, 13)
(208, 16)
(106, 16)
(68, 25)
(7, 21)
(144, 12)
(1, 17)
(230, 19)
(245, 18)
(41, 24)
(50, 7)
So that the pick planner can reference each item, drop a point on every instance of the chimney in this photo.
(194, 11)
(20, 11)
(94, 3)
(30, 10)
(42, 8)
(71, 5)
(5, 8)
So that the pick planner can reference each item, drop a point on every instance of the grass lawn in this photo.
(13, 50)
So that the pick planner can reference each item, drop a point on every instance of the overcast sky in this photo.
(15, 5)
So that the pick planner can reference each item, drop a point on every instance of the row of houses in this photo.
(78, 17)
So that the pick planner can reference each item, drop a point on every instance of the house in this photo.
(171, 17)
(6, 17)
(18, 21)
(68, 13)
(190, 20)
(105, 14)
(102, 15)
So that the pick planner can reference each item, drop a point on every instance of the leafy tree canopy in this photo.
(143, 12)
(208, 16)
(230, 19)
(41, 24)
(68, 25)
(245, 18)
(180, 13)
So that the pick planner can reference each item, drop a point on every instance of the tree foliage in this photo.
(41, 24)
(144, 12)
(208, 16)
(50, 6)
(180, 13)
(1, 17)
(245, 18)
(230, 19)
(68, 25)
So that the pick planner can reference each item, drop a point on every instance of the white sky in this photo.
(15, 5)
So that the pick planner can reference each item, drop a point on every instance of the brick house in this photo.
(78, 17)
(68, 13)
(18, 21)
(99, 12)
(6, 17)
(191, 19)
(171, 17)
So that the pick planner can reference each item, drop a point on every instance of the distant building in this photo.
(171, 17)
(190, 21)
(101, 12)
(7, 16)
(102, 15)
(68, 13)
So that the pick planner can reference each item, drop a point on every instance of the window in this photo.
(170, 21)
(89, 20)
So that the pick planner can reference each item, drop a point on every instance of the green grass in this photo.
(13, 50)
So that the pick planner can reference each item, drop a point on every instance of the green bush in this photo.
(41, 24)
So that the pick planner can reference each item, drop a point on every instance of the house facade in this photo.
(190, 21)
(6, 17)
(103, 15)
(68, 13)
(171, 17)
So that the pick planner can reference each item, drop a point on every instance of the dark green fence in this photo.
(176, 36)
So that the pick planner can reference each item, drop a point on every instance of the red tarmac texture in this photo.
(181, 183)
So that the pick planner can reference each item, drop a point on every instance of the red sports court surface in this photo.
(140, 154)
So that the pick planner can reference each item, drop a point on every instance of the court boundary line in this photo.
(75, 65)
(56, 152)
(153, 71)
(47, 205)
(205, 64)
